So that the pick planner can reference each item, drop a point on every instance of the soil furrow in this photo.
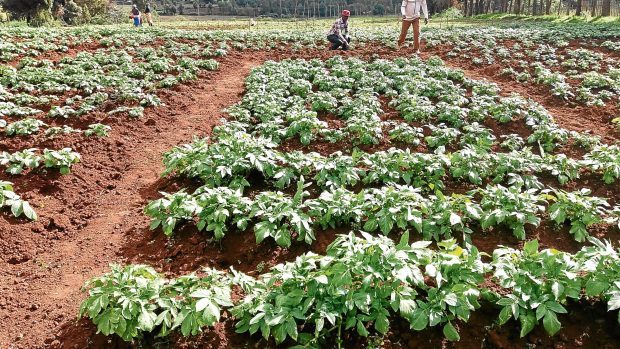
(45, 288)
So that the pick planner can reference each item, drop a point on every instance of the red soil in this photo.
(93, 217)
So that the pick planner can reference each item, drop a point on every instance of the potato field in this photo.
(211, 187)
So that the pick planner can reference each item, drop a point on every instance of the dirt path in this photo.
(48, 283)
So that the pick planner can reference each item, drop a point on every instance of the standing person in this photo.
(149, 16)
(337, 34)
(410, 10)
(135, 15)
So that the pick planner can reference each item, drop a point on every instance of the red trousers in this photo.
(416, 33)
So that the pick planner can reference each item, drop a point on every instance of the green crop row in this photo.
(360, 284)
(435, 216)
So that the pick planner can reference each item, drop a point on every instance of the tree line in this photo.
(72, 12)
(75, 12)
(542, 7)
(287, 8)
(331, 8)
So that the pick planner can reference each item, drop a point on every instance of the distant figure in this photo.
(410, 10)
(135, 15)
(147, 12)
(337, 35)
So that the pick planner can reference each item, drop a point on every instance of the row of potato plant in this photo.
(317, 298)
(434, 215)
(91, 80)
(28, 159)
(582, 75)
(235, 155)
(20, 161)
(29, 126)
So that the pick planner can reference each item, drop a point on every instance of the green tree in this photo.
(378, 10)
(36, 12)
(73, 13)
(95, 7)
(140, 3)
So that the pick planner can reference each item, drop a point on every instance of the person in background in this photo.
(410, 10)
(337, 34)
(135, 15)
(149, 16)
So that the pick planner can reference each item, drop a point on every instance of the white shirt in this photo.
(411, 9)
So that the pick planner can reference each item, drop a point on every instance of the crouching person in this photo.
(337, 36)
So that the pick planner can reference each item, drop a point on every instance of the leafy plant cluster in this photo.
(265, 115)
(237, 155)
(18, 206)
(385, 209)
(20, 161)
(580, 75)
(129, 76)
(29, 126)
(542, 282)
(316, 298)
(134, 300)
(246, 149)
(425, 93)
